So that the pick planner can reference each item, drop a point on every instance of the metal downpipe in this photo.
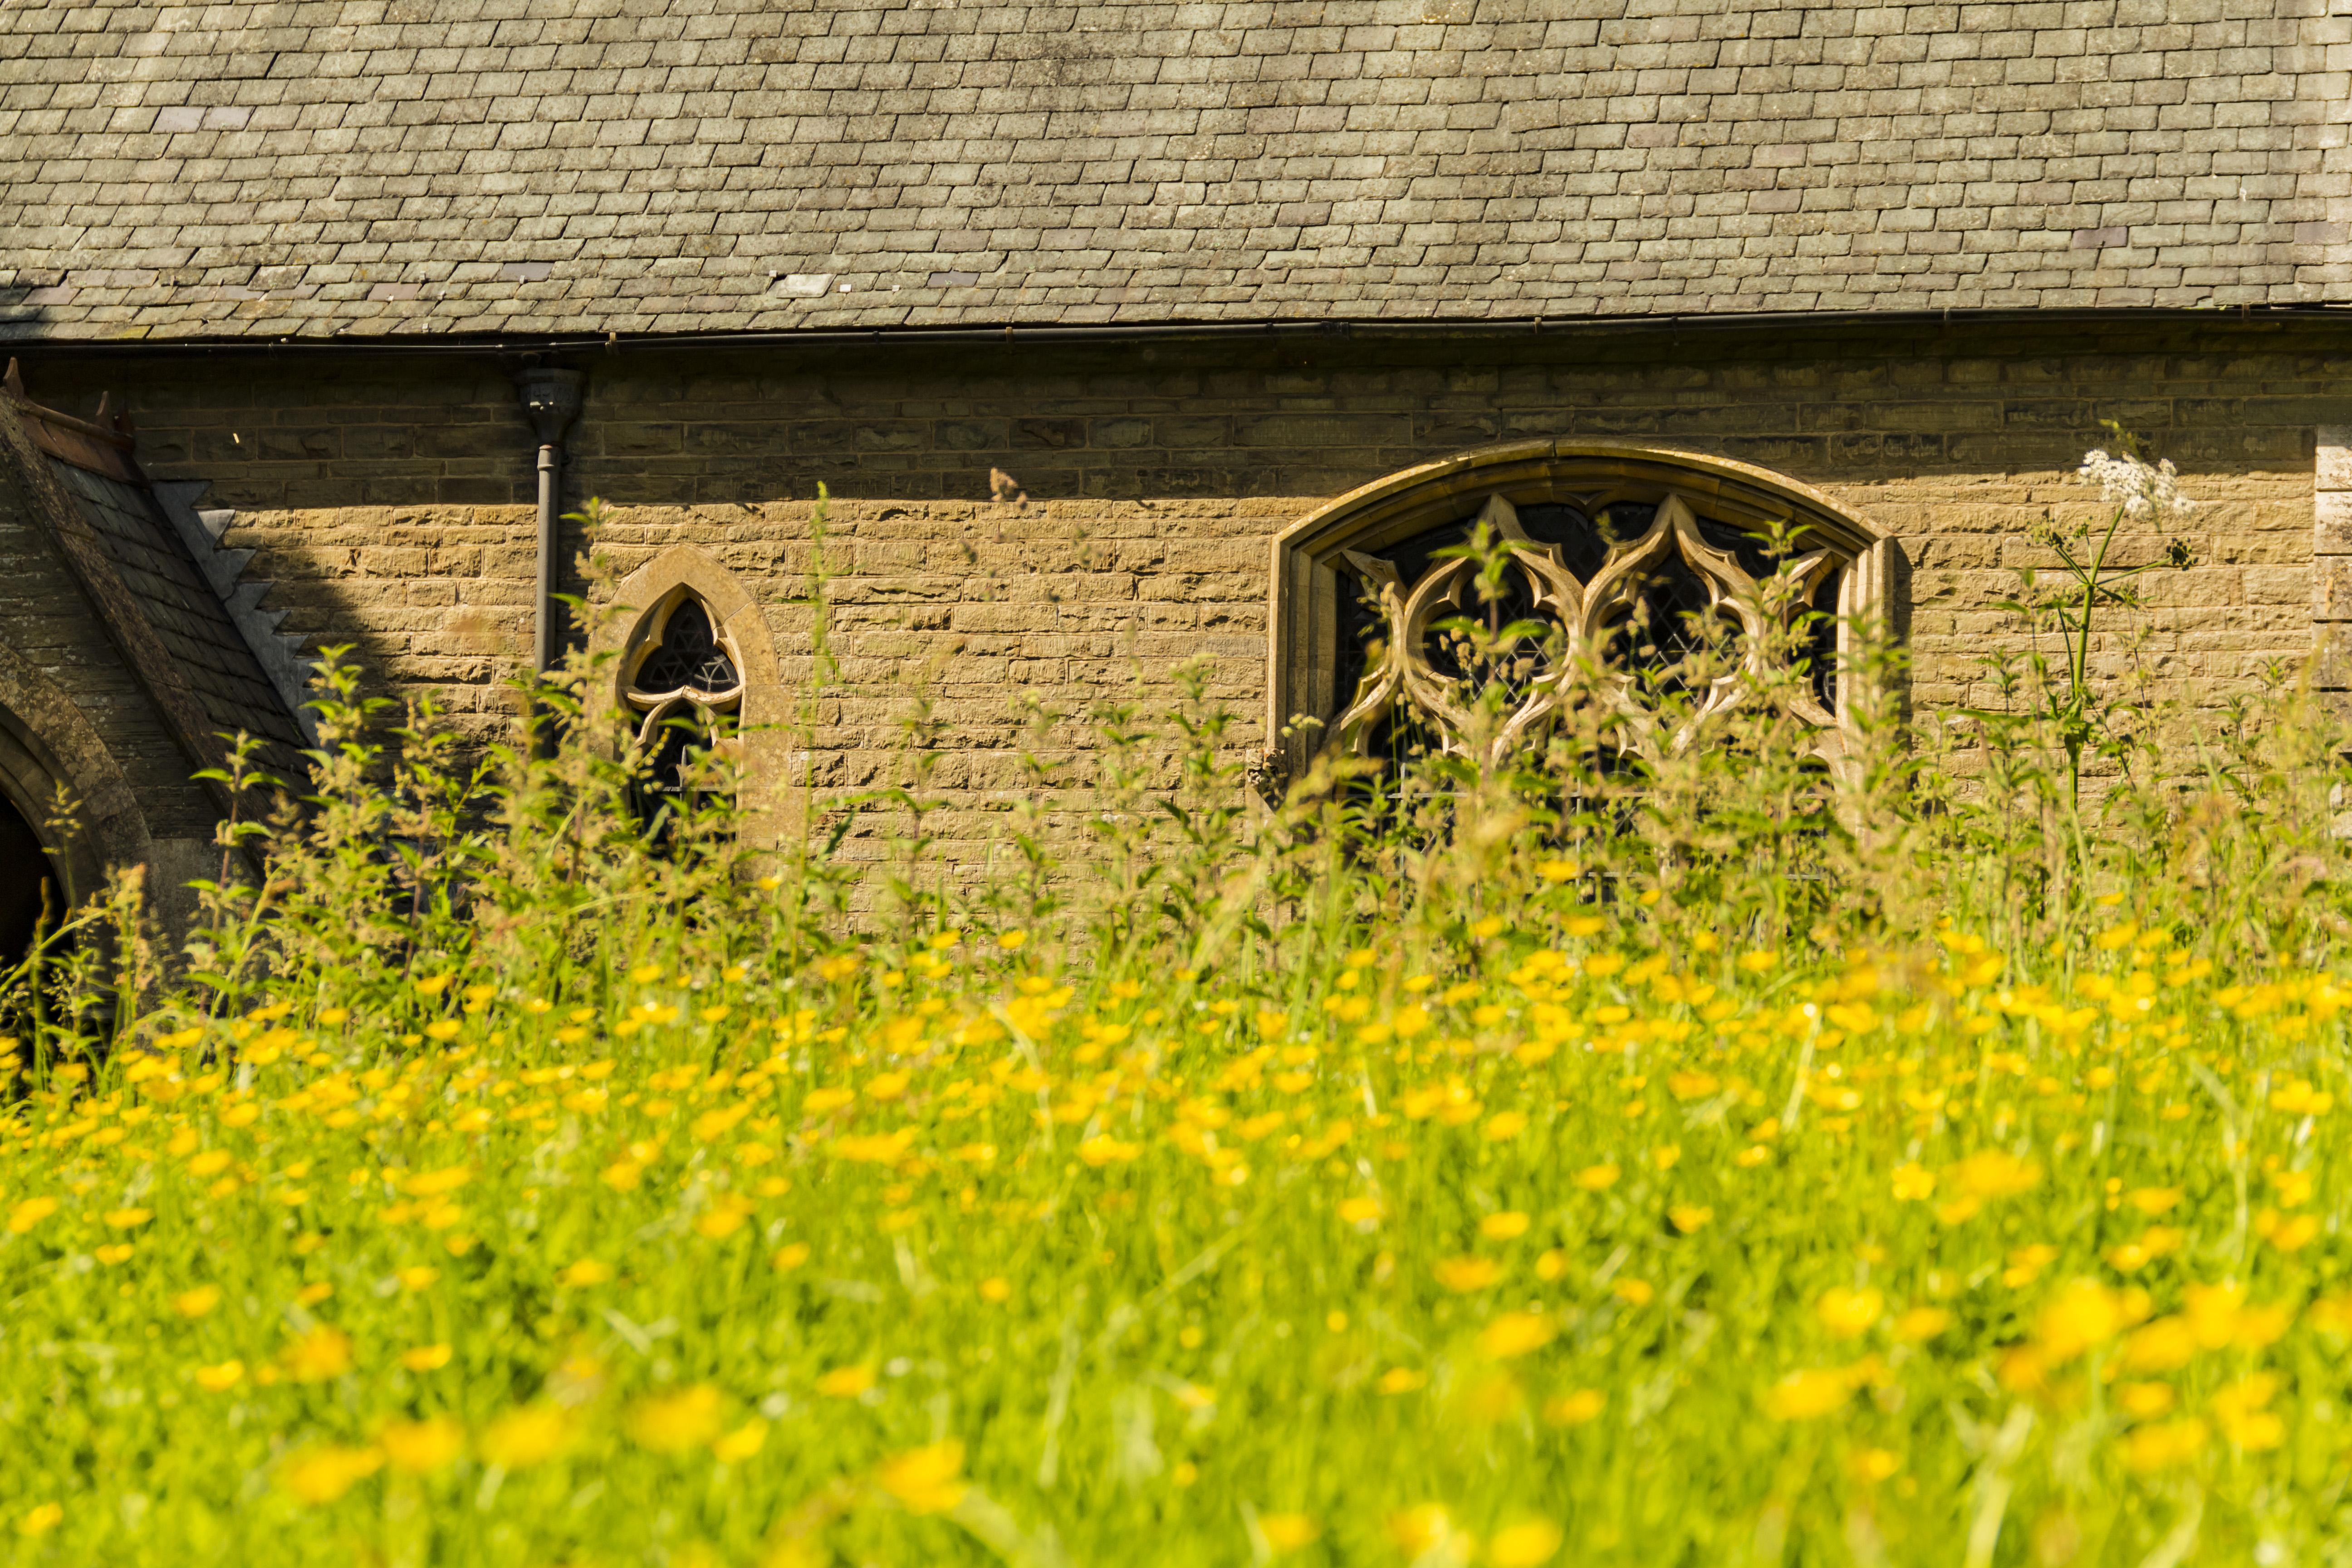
(551, 397)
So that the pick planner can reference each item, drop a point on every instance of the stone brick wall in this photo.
(388, 495)
(56, 638)
(75, 716)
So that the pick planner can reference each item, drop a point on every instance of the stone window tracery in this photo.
(1637, 557)
(687, 687)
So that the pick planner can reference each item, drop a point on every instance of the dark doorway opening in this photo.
(28, 888)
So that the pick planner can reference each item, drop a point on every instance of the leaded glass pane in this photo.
(689, 655)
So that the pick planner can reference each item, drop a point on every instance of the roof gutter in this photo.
(2272, 316)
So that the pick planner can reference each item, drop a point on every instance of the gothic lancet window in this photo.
(1634, 559)
(685, 693)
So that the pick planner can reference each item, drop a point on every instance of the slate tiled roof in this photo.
(372, 167)
(185, 612)
(141, 579)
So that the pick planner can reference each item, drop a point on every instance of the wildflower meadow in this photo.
(1708, 1161)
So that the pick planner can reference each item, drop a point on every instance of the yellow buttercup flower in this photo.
(321, 1474)
(2167, 1446)
(1995, 1174)
(530, 1435)
(1922, 1323)
(1289, 1531)
(670, 1423)
(1848, 1312)
(1464, 1275)
(421, 1448)
(1420, 1531)
(220, 1378)
(846, 1381)
(2083, 1314)
(1576, 1408)
(2164, 1345)
(2241, 1410)
(744, 1442)
(925, 1481)
(1873, 1465)
(723, 1218)
(1805, 1395)
(1516, 1334)
(320, 1355)
(1524, 1545)
(437, 1183)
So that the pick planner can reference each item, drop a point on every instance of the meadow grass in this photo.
(1949, 1173)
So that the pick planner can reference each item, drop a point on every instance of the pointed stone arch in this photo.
(643, 604)
(54, 743)
(46, 742)
(1692, 511)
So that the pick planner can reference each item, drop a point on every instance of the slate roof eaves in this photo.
(1148, 161)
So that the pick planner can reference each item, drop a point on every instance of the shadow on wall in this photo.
(390, 496)
(388, 513)
(389, 502)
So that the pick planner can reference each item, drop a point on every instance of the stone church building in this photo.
(324, 312)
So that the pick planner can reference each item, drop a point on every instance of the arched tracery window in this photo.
(1635, 556)
(695, 671)
(686, 687)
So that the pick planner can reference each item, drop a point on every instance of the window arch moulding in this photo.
(46, 742)
(683, 595)
(1683, 523)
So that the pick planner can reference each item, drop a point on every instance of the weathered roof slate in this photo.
(180, 639)
(372, 167)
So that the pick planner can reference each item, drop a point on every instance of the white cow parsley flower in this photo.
(2144, 492)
